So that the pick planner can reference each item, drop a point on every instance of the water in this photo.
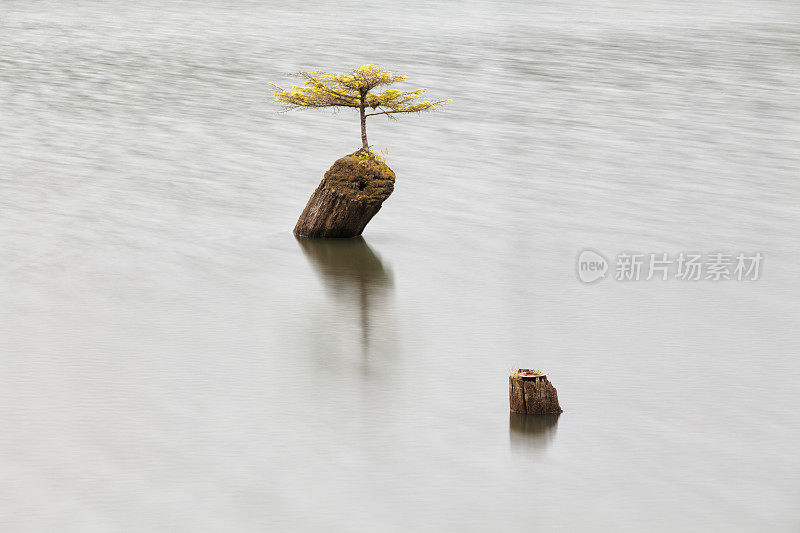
(174, 360)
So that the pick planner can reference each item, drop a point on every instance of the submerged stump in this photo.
(531, 393)
(350, 194)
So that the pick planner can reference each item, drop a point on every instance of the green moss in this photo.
(362, 176)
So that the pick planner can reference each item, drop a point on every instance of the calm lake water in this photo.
(173, 359)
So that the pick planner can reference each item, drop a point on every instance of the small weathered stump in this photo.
(350, 194)
(531, 393)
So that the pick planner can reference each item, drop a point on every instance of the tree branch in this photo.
(390, 112)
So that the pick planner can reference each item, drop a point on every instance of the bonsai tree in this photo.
(354, 188)
(322, 89)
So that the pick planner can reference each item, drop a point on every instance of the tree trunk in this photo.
(363, 116)
(350, 194)
(533, 396)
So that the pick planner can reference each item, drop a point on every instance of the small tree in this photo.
(322, 89)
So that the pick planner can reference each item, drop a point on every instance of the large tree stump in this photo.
(532, 393)
(349, 195)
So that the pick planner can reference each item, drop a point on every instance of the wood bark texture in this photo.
(351, 193)
(533, 397)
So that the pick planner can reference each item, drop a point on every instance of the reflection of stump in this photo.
(532, 394)
(531, 432)
(354, 274)
(350, 194)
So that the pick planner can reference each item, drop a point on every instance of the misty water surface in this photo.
(173, 359)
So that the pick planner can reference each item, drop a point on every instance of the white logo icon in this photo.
(591, 266)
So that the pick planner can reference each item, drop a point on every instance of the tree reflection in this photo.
(532, 432)
(354, 275)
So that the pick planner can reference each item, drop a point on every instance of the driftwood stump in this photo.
(349, 195)
(532, 394)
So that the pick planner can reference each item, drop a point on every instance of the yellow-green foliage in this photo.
(375, 163)
(369, 156)
(322, 89)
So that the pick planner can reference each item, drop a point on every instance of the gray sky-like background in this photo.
(171, 359)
